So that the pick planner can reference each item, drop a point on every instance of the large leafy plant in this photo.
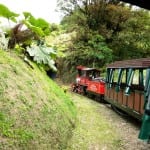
(25, 33)
(3, 41)
(6, 13)
(43, 55)
(40, 26)
(36, 29)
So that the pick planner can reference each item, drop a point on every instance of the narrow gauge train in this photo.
(126, 87)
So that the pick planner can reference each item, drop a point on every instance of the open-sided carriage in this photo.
(128, 88)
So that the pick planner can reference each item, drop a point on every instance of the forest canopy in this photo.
(105, 31)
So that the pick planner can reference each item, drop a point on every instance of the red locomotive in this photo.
(88, 80)
(126, 87)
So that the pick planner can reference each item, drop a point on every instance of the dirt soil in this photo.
(128, 129)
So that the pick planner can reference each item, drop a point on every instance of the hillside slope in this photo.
(34, 112)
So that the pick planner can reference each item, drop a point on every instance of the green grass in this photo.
(93, 131)
(7, 130)
(35, 113)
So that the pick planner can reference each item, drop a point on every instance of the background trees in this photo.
(92, 33)
(105, 31)
(133, 40)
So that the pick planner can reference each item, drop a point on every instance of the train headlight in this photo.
(77, 80)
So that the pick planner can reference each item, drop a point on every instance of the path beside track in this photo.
(100, 128)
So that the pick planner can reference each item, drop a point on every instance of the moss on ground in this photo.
(34, 112)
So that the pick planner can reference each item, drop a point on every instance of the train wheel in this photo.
(100, 98)
(73, 87)
(84, 91)
(91, 96)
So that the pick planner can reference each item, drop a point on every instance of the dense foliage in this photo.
(89, 49)
(92, 33)
(26, 32)
(105, 31)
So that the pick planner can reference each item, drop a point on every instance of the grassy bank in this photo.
(34, 112)
(93, 131)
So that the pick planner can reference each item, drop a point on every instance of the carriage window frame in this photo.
(130, 76)
(147, 84)
(119, 79)
(109, 79)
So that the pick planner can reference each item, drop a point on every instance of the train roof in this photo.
(86, 68)
(89, 69)
(80, 67)
(134, 63)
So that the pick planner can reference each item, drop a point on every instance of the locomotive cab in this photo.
(82, 78)
(88, 81)
(86, 74)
